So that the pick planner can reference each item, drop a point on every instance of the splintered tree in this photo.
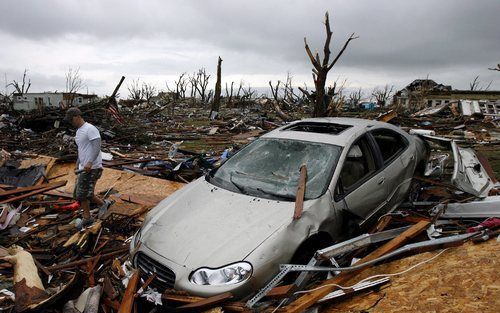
(24, 86)
(321, 69)
(381, 95)
(216, 103)
(74, 83)
(148, 92)
(200, 83)
(135, 91)
(229, 94)
(289, 95)
(355, 98)
(476, 84)
(276, 102)
(336, 97)
(180, 87)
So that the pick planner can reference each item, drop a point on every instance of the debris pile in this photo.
(45, 260)
(46, 263)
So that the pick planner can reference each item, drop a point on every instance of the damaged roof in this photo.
(338, 131)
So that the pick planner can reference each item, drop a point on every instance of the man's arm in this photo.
(95, 145)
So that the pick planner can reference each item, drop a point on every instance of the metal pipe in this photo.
(406, 248)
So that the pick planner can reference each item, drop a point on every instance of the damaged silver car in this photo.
(230, 230)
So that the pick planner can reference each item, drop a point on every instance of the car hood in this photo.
(204, 225)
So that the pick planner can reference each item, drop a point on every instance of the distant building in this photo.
(367, 105)
(423, 93)
(38, 101)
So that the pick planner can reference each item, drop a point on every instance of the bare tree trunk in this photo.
(321, 69)
(276, 102)
(229, 95)
(216, 103)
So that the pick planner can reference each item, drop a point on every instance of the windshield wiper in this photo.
(276, 195)
(239, 187)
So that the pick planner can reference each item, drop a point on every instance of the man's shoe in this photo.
(104, 208)
(84, 222)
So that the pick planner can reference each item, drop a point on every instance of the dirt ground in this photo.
(462, 279)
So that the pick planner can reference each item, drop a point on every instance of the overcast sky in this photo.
(451, 41)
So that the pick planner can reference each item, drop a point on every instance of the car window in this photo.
(269, 168)
(390, 143)
(359, 164)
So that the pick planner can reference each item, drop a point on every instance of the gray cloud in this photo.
(399, 40)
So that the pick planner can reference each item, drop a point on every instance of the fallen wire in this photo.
(363, 280)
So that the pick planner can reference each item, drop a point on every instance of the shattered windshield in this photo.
(269, 168)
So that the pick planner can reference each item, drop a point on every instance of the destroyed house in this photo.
(423, 93)
(40, 100)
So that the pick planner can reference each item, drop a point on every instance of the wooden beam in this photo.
(48, 168)
(21, 190)
(84, 261)
(35, 192)
(311, 298)
(146, 284)
(281, 291)
(301, 191)
(117, 87)
(60, 194)
(127, 303)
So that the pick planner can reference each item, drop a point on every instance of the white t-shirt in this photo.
(84, 135)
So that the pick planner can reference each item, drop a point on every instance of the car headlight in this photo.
(227, 275)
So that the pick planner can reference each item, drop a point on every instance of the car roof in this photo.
(344, 130)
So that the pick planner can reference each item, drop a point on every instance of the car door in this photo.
(361, 183)
(398, 163)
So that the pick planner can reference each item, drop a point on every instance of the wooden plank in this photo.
(108, 289)
(21, 190)
(60, 194)
(301, 191)
(281, 291)
(48, 187)
(115, 305)
(84, 261)
(311, 298)
(382, 224)
(48, 167)
(206, 303)
(386, 117)
(121, 155)
(146, 284)
(181, 298)
(128, 296)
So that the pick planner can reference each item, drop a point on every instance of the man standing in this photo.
(88, 164)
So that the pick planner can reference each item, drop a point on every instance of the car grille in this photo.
(165, 277)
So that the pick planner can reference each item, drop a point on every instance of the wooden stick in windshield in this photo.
(301, 190)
